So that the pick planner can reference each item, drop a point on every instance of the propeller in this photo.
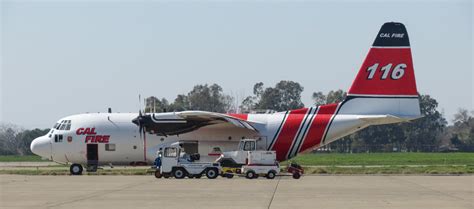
(140, 120)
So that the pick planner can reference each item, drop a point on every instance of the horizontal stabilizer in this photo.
(385, 119)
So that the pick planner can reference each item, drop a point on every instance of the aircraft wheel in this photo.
(212, 173)
(158, 174)
(250, 174)
(179, 173)
(76, 169)
(271, 174)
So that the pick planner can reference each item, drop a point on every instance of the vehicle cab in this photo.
(175, 162)
(239, 156)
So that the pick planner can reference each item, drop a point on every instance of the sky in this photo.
(59, 58)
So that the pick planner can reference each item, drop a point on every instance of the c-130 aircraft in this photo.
(383, 92)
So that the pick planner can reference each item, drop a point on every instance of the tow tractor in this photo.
(252, 163)
(169, 162)
(172, 161)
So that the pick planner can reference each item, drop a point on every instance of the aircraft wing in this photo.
(174, 123)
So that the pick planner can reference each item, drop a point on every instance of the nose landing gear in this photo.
(76, 169)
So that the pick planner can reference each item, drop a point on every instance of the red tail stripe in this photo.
(240, 116)
(317, 128)
(405, 85)
(288, 133)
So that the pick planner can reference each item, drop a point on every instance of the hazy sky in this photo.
(65, 57)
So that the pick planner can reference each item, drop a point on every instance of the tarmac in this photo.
(21, 191)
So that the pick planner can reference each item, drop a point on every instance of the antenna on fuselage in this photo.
(139, 103)
(146, 105)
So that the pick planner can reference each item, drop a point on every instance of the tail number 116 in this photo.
(397, 72)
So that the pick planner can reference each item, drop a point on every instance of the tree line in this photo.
(430, 133)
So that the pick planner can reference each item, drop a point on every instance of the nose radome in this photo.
(40, 146)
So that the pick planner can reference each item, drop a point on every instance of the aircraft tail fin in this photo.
(385, 84)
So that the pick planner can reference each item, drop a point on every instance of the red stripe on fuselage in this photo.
(288, 132)
(317, 128)
(240, 116)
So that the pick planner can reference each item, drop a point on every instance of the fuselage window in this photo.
(110, 147)
(58, 138)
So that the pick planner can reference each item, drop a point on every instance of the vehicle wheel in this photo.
(158, 174)
(179, 173)
(296, 175)
(76, 169)
(250, 175)
(229, 175)
(271, 174)
(212, 173)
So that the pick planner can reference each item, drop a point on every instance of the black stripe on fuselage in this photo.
(332, 119)
(295, 139)
(316, 109)
(278, 130)
(304, 128)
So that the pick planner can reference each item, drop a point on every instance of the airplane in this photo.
(383, 92)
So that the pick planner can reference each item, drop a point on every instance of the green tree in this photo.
(423, 134)
(335, 96)
(16, 141)
(8, 143)
(250, 102)
(290, 95)
(286, 95)
(181, 103)
(462, 135)
(153, 104)
(25, 138)
(319, 98)
(209, 98)
(271, 99)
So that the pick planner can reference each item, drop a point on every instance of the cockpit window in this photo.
(63, 125)
(68, 125)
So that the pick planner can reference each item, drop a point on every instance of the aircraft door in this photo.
(92, 154)
(58, 147)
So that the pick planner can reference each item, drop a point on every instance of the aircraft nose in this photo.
(41, 146)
